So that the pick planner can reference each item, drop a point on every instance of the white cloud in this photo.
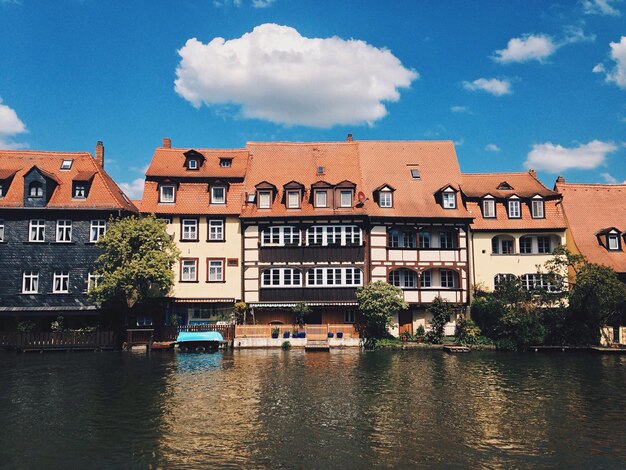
(608, 178)
(460, 109)
(599, 68)
(600, 7)
(459, 142)
(133, 190)
(528, 47)
(10, 125)
(492, 148)
(262, 3)
(617, 74)
(226, 3)
(276, 74)
(555, 158)
(490, 85)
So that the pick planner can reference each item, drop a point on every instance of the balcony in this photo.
(323, 254)
(307, 294)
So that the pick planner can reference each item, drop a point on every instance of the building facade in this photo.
(54, 206)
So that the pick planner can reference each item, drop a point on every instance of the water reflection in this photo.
(348, 409)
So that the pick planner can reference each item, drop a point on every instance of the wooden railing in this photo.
(313, 332)
(170, 333)
(66, 341)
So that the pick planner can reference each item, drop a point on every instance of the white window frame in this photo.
(403, 278)
(293, 199)
(189, 229)
(318, 194)
(280, 235)
(489, 209)
(66, 164)
(97, 229)
(501, 278)
(612, 237)
(188, 270)
(64, 231)
(1, 231)
(93, 280)
(447, 279)
(218, 200)
(281, 277)
(332, 276)
(514, 209)
(1, 190)
(347, 235)
(265, 199)
(80, 191)
(538, 209)
(425, 279)
(37, 186)
(342, 202)
(215, 270)
(63, 280)
(385, 199)
(216, 230)
(30, 282)
(37, 231)
(449, 200)
(192, 164)
(165, 198)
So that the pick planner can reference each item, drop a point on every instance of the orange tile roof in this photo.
(389, 163)
(103, 193)
(279, 163)
(475, 186)
(169, 162)
(590, 208)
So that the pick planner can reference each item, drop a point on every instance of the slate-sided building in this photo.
(53, 208)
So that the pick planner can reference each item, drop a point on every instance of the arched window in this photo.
(35, 189)
(499, 280)
(503, 245)
(403, 278)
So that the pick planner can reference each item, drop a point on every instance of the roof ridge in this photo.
(601, 185)
(43, 152)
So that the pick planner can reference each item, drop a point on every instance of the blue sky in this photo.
(515, 84)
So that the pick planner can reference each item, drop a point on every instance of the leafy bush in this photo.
(286, 345)
(521, 328)
(25, 326)
(378, 302)
(420, 331)
(441, 311)
(467, 333)
(301, 311)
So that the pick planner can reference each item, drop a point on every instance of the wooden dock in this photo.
(313, 345)
(456, 349)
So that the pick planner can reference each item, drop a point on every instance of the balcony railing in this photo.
(302, 294)
(331, 253)
(317, 331)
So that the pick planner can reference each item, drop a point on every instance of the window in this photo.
(538, 281)
(281, 277)
(190, 229)
(426, 278)
(345, 198)
(216, 230)
(415, 173)
(500, 280)
(293, 199)
(502, 245)
(1, 231)
(447, 240)
(447, 278)
(192, 164)
(188, 270)
(143, 320)
(93, 280)
(349, 316)
(37, 231)
(343, 235)
(526, 245)
(489, 208)
(424, 239)
(543, 245)
(385, 199)
(64, 231)
(280, 236)
(449, 201)
(80, 191)
(216, 270)
(537, 209)
(323, 277)
(225, 162)
(66, 164)
(218, 195)
(514, 209)
(401, 239)
(265, 199)
(167, 193)
(320, 198)
(1, 190)
(61, 282)
(30, 282)
(613, 242)
(98, 229)
(403, 278)
(35, 189)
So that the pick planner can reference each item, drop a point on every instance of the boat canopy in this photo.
(198, 336)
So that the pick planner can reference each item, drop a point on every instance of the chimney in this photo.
(349, 138)
(100, 153)
(532, 172)
(167, 143)
(560, 179)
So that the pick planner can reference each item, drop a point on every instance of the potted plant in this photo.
(294, 334)
(330, 334)
(275, 332)
(286, 334)
(420, 332)
(302, 334)
(340, 334)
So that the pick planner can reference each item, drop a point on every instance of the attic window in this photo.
(66, 164)
(504, 186)
(415, 174)
(80, 190)
(612, 241)
(225, 162)
(320, 170)
(35, 189)
(1, 190)
(192, 164)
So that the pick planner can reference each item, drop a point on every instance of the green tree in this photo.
(136, 262)
(442, 311)
(301, 311)
(378, 301)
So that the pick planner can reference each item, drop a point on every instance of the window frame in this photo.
(278, 274)
(398, 239)
(162, 199)
(264, 204)
(37, 186)
(491, 202)
(404, 278)
(186, 236)
(385, 199)
(329, 276)
(349, 317)
(298, 198)
(215, 200)
(535, 204)
(510, 211)
(33, 278)
(318, 193)
(342, 203)
(64, 228)
(63, 277)
(613, 236)
(216, 227)
(37, 230)
(93, 280)
(100, 227)
(448, 200)
(226, 162)
(191, 264)
(328, 235)
(192, 164)
(448, 238)
(2, 234)
(280, 233)
(221, 267)
(450, 278)
(79, 191)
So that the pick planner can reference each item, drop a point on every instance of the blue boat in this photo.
(199, 341)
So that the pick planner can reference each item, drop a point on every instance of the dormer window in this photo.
(504, 186)
(537, 207)
(226, 162)
(35, 189)
(449, 200)
(265, 199)
(321, 198)
(80, 191)
(1, 190)
(167, 193)
(612, 241)
(489, 208)
(293, 199)
(218, 195)
(385, 199)
(192, 164)
(66, 164)
(514, 209)
(345, 198)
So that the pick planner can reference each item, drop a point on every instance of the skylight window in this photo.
(320, 170)
(66, 164)
(415, 173)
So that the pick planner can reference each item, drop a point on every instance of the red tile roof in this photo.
(589, 208)
(170, 162)
(103, 193)
(525, 185)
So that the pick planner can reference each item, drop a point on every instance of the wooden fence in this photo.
(73, 340)
(169, 333)
(313, 332)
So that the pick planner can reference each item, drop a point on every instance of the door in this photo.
(405, 321)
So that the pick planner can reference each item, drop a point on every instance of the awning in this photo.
(310, 304)
(197, 301)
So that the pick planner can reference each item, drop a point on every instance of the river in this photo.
(291, 409)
